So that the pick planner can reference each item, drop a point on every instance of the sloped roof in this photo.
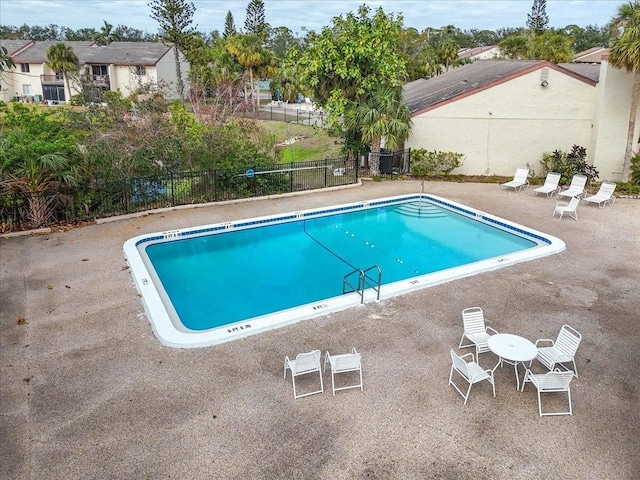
(472, 52)
(589, 70)
(592, 55)
(37, 51)
(125, 53)
(118, 53)
(482, 74)
(13, 46)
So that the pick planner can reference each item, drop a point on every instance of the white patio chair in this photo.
(576, 188)
(471, 372)
(519, 180)
(475, 330)
(348, 362)
(303, 364)
(568, 208)
(550, 185)
(561, 351)
(604, 195)
(550, 382)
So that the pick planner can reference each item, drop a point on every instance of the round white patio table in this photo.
(513, 350)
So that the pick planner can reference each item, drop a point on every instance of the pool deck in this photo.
(87, 391)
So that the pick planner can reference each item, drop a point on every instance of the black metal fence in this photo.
(288, 113)
(108, 198)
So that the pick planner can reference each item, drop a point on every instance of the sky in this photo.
(301, 15)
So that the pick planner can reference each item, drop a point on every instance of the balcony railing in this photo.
(52, 80)
(100, 80)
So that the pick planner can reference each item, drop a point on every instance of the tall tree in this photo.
(356, 54)
(229, 26)
(248, 51)
(62, 58)
(538, 19)
(106, 34)
(255, 23)
(380, 115)
(625, 53)
(175, 18)
(447, 52)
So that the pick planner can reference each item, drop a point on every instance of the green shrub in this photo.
(569, 164)
(635, 170)
(434, 163)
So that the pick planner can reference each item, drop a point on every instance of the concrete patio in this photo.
(88, 392)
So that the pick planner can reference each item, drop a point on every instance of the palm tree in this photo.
(625, 53)
(37, 177)
(447, 53)
(248, 51)
(62, 58)
(380, 115)
(106, 35)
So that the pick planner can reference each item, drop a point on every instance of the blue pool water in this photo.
(219, 279)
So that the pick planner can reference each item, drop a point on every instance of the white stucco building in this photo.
(124, 66)
(504, 114)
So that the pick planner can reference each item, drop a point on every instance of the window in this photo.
(24, 67)
(141, 70)
(99, 70)
(26, 89)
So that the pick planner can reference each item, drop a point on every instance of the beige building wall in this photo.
(511, 124)
(611, 122)
(166, 71)
(126, 79)
(13, 81)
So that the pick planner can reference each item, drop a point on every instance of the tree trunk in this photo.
(40, 209)
(67, 88)
(251, 81)
(176, 56)
(628, 153)
(374, 157)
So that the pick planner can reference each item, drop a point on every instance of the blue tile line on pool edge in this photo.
(359, 206)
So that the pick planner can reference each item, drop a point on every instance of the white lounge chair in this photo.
(550, 185)
(576, 189)
(519, 180)
(549, 382)
(561, 351)
(475, 330)
(568, 208)
(471, 372)
(348, 362)
(303, 364)
(604, 195)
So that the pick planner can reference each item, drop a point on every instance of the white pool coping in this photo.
(171, 332)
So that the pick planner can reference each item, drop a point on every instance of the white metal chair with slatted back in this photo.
(519, 181)
(605, 195)
(550, 185)
(470, 371)
(303, 364)
(567, 207)
(576, 188)
(475, 330)
(561, 351)
(348, 362)
(550, 382)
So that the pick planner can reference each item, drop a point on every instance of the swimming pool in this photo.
(212, 284)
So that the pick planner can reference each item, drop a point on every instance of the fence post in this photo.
(291, 174)
(173, 191)
(215, 185)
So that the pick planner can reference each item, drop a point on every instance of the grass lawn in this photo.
(316, 144)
